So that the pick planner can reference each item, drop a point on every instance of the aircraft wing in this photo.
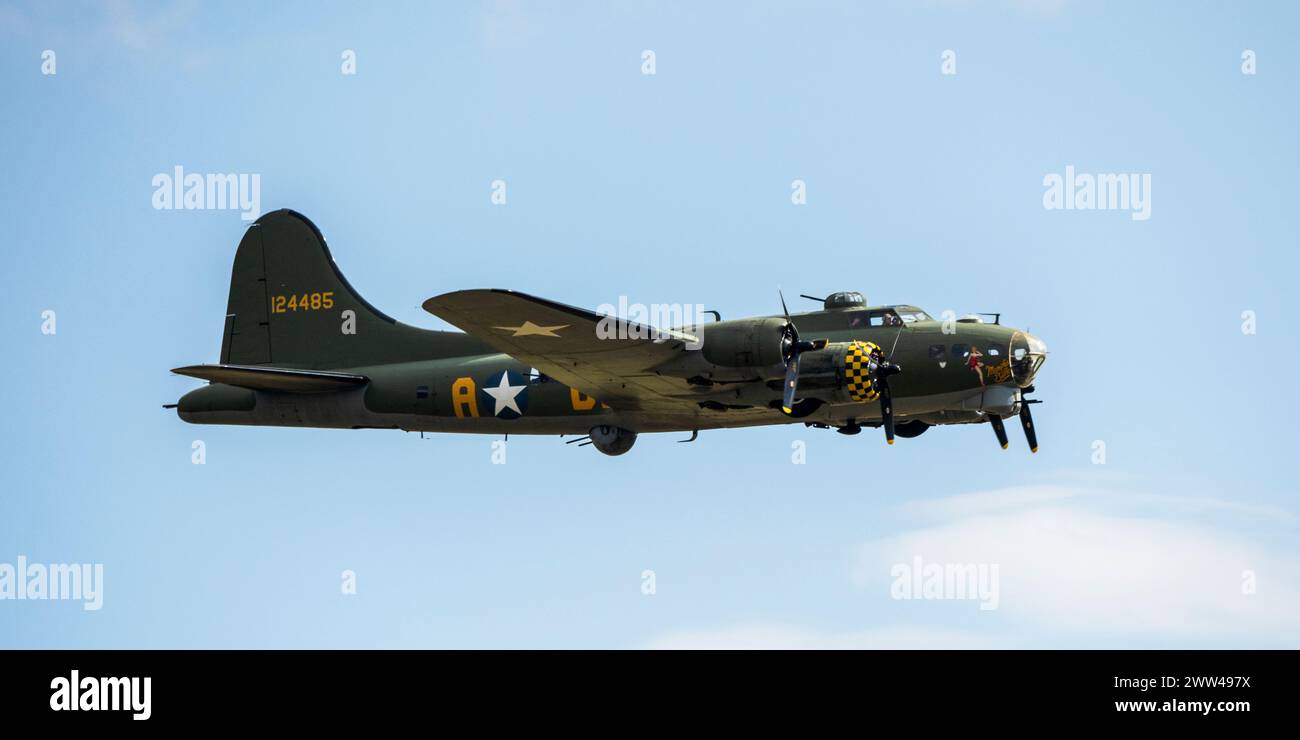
(573, 346)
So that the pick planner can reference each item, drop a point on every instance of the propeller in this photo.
(883, 370)
(999, 429)
(791, 347)
(1027, 419)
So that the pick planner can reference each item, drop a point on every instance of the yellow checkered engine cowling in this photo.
(858, 376)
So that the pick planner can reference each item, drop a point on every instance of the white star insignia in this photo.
(529, 329)
(504, 395)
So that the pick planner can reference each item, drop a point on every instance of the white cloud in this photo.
(161, 32)
(1077, 567)
(509, 24)
(147, 31)
(781, 637)
(968, 504)
(1043, 8)
(1072, 567)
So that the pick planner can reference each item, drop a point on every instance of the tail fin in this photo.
(291, 307)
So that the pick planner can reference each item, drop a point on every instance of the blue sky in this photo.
(922, 188)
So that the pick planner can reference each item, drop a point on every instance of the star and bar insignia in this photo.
(529, 329)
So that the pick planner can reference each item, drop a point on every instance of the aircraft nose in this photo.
(1028, 353)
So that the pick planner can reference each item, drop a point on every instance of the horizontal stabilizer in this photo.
(274, 378)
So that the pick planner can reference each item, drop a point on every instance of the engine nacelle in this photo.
(612, 440)
(756, 343)
(842, 372)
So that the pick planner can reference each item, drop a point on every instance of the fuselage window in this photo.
(960, 350)
(937, 351)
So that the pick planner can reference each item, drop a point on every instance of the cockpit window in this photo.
(889, 317)
(886, 317)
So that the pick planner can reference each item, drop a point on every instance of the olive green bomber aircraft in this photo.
(301, 348)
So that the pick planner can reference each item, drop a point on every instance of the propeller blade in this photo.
(887, 413)
(784, 311)
(999, 429)
(1027, 421)
(791, 383)
(791, 347)
(883, 371)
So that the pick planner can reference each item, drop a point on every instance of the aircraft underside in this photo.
(348, 410)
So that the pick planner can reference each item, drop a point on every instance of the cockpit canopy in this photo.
(887, 316)
(911, 314)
